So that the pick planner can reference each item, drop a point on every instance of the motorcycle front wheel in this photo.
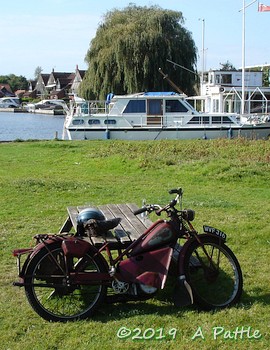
(214, 274)
(49, 292)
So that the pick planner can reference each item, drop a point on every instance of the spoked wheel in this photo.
(49, 292)
(214, 274)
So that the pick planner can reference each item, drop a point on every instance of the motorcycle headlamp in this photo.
(188, 214)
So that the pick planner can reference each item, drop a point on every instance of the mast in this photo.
(203, 53)
(243, 56)
(165, 76)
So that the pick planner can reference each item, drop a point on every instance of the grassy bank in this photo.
(225, 181)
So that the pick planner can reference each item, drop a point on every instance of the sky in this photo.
(56, 34)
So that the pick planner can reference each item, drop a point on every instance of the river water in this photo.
(30, 126)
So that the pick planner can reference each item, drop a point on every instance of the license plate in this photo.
(215, 231)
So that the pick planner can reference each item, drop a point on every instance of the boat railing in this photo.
(81, 108)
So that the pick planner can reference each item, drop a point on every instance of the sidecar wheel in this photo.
(51, 296)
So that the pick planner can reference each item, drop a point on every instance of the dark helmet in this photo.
(89, 213)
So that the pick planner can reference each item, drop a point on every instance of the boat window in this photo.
(216, 120)
(110, 121)
(227, 120)
(135, 106)
(173, 106)
(194, 120)
(221, 120)
(226, 78)
(205, 120)
(154, 107)
(78, 122)
(199, 120)
(93, 121)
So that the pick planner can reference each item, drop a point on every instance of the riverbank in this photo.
(37, 111)
(225, 181)
(13, 110)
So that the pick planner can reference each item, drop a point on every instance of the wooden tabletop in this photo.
(129, 229)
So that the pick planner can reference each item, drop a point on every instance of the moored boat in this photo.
(157, 115)
(51, 106)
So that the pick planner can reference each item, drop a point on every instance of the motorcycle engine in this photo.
(120, 287)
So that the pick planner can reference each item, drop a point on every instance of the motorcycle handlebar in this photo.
(140, 210)
(177, 191)
(158, 209)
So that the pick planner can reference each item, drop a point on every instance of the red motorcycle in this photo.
(66, 277)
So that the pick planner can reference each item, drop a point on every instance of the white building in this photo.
(222, 92)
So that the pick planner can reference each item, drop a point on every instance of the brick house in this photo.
(5, 90)
(59, 85)
(79, 75)
(41, 83)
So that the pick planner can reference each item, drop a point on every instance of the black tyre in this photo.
(214, 274)
(50, 295)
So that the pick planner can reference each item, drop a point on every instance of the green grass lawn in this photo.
(225, 181)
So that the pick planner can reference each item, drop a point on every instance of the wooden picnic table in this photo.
(129, 229)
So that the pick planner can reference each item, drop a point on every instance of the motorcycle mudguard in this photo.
(52, 240)
(75, 247)
(182, 253)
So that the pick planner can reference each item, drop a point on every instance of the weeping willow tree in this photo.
(131, 45)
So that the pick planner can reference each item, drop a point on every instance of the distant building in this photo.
(79, 75)
(57, 85)
(41, 83)
(5, 90)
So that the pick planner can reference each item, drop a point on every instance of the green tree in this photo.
(37, 72)
(227, 66)
(15, 82)
(129, 48)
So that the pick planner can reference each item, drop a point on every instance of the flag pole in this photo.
(243, 56)
(244, 52)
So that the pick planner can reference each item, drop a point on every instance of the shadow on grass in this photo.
(257, 296)
(123, 311)
(162, 305)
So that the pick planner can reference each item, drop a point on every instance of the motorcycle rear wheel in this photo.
(216, 280)
(50, 295)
